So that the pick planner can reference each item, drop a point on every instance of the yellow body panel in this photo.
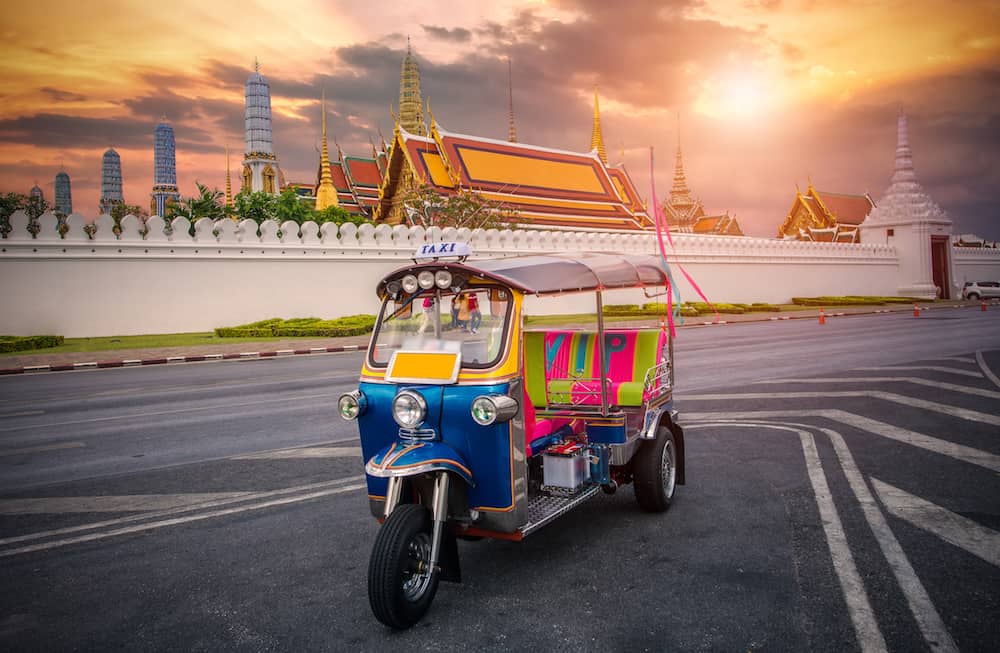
(501, 168)
(424, 365)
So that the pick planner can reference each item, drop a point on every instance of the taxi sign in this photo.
(440, 250)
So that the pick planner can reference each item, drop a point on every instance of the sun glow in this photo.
(735, 96)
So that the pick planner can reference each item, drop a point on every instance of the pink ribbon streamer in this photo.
(660, 217)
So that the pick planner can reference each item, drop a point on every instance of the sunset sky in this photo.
(770, 93)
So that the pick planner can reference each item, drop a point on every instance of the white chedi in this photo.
(905, 200)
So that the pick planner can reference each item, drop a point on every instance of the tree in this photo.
(338, 215)
(32, 205)
(121, 209)
(289, 206)
(206, 204)
(257, 206)
(426, 207)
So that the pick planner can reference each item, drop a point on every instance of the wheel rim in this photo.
(417, 574)
(668, 471)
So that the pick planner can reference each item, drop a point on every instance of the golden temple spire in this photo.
(596, 138)
(326, 194)
(679, 193)
(511, 131)
(411, 117)
(229, 183)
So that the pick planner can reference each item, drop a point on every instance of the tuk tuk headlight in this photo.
(488, 409)
(442, 279)
(409, 284)
(426, 279)
(409, 409)
(351, 405)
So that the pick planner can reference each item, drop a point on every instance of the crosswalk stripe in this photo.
(875, 427)
(954, 387)
(123, 503)
(303, 452)
(944, 409)
(952, 528)
(930, 368)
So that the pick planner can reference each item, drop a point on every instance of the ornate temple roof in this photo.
(905, 199)
(546, 186)
(824, 216)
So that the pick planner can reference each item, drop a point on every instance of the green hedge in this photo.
(299, 327)
(852, 300)
(24, 343)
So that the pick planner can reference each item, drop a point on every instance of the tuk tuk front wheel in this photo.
(401, 583)
(655, 471)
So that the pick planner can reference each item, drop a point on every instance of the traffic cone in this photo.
(983, 309)
(822, 316)
(916, 311)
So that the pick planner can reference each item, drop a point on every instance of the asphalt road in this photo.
(843, 494)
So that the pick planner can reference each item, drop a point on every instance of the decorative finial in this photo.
(256, 65)
(511, 130)
(408, 51)
(596, 137)
(229, 183)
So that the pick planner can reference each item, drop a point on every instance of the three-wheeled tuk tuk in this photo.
(473, 426)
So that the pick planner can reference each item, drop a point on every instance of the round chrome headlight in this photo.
(351, 405)
(392, 289)
(426, 279)
(487, 409)
(410, 284)
(442, 279)
(409, 409)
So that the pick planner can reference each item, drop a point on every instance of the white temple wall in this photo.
(229, 273)
(974, 264)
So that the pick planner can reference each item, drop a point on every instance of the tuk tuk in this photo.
(473, 426)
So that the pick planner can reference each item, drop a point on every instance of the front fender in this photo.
(408, 459)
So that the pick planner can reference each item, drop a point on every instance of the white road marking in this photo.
(957, 359)
(944, 409)
(866, 628)
(954, 387)
(23, 413)
(935, 633)
(952, 528)
(120, 503)
(179, 520)
(942, 447)
(40, 448)
(987, 372)
(304, 452)
(930, 368)
(138, 416)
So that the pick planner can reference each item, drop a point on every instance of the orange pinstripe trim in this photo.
(434, 460)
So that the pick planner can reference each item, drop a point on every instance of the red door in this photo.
(939, 265)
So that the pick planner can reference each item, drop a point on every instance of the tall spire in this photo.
(511, 131)
(229, 183)
(904, 156)
(411, 113)
(596, 138)
(326, 194)
(680, 193)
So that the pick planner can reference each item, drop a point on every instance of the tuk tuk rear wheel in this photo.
(655, 471)
(401, 584)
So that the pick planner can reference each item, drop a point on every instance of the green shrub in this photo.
(351, 325)
(24, 343)
(851, 300)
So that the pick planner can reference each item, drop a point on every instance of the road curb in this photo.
(170, 360)
(256, 355)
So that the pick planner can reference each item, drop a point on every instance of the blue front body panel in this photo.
(486, 450)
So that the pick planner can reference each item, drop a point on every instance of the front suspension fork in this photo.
(439, 509)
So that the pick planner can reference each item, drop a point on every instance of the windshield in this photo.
(473, 322)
